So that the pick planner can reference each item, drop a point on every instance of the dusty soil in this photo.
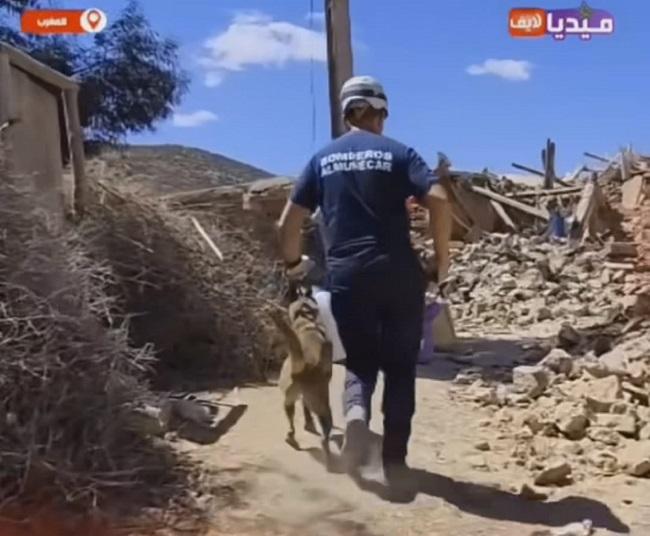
(267, 488)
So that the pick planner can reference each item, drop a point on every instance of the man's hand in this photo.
(290, 232)
(444, 287)
(298, 270)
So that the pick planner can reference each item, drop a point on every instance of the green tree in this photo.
(130, 76)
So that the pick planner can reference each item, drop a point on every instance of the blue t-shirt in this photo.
(361, 181)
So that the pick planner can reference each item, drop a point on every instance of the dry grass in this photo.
(68, 375)
(206, 318)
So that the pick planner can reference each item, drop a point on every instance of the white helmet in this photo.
(363, 90)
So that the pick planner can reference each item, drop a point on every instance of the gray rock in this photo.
(529, 493)
(568, 337)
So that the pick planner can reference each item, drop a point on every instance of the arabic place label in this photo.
(583, 22)
(62, 21)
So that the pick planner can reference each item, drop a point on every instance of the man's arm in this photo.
(440, 223)
(290, 232)
(302, 202)
(427, 187)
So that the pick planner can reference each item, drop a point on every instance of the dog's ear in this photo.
(280, 319)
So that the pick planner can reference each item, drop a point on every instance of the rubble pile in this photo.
(567, 417)
(584, 408)
(512, 280)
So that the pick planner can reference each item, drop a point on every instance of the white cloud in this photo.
(213, 78)
(193, 119)
(255, 39)
(514, 70)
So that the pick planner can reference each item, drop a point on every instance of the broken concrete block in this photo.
(603, 435)
(621, 249)
(644, 433)
(556, 473)
(623, 424)
(605, 461)
(635, 458)
(486, 396)
(558, 360)
(508, 282)
(530, 380)
(602, 393)
(571, 420)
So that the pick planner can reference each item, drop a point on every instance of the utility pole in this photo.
(339, 56)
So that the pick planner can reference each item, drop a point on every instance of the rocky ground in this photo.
(481, 469)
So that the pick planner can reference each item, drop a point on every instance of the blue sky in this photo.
(252, 63)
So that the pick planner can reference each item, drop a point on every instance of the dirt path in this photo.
(271, 489)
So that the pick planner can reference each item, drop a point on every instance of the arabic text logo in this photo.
(583, 21)
(527, 22)
(62, 21)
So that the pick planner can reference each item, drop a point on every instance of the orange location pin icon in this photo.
(93, 20)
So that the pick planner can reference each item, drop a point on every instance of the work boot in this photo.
(400, 481)
(356, 446)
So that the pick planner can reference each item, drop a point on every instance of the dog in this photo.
(307, 370)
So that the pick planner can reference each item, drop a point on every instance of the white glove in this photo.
(299, 271)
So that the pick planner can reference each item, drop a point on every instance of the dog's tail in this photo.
(295, 348)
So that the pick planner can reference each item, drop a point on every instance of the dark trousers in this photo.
(379, 319)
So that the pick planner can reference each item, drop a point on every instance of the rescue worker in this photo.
(361, 182)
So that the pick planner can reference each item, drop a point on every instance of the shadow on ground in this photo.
(493, 359)
(482, 500)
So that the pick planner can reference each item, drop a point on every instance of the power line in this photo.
(311, 79)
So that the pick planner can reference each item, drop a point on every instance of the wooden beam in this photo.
(76, 144)
(529, 169)
(339, 57)
(621, 249)
(206, 238)
(532, 211)
(626, 164)
(597, 157)
(7, 113)
(631, 191)
(498, 208)
(546, 193)
(25, 62)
